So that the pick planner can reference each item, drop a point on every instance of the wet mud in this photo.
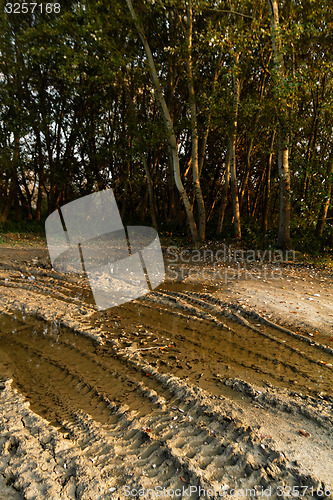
(176, 389)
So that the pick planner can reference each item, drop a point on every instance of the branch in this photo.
(232, 12)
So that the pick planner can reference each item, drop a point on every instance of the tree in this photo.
(280, 83)
(194, 125)
(233, 168)
(327, 200)
(167, 121)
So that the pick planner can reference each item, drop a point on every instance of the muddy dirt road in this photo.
(204, 384)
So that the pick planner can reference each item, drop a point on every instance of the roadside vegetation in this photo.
(208, 119)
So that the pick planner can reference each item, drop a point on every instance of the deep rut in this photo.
(158, 402)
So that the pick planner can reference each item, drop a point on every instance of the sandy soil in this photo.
(219, 382)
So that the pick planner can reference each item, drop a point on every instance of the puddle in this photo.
(61, 372)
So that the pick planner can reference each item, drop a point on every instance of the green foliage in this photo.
(22, 227)
(75, 90)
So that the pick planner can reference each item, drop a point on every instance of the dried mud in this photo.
(186, 387)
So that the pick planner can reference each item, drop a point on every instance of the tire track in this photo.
(159, 402)
(184, 442)
(276, 358)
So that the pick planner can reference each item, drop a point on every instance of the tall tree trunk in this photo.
(40, 172)
(327, 200)
(233, 171)
(247, 172)
(194, 126)
(224, 193)
(168, 123)
(268, 184)
(257, 192)
(171, 200)
(25, 199)
(171, 211)
(25, 202)
(40, 191)
(284, 240)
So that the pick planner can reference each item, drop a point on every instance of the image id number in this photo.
(24, 8)
(300, 491)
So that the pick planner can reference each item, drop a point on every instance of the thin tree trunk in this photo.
(284, 184)
(247, 171)
(171, 202)
(268, 184)
(194, 126)
(233, 171)
(40, 192)
(25, 202)
(327, 200)
(168, 123)
(284, 240)
(40, 171)
(224, 193)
